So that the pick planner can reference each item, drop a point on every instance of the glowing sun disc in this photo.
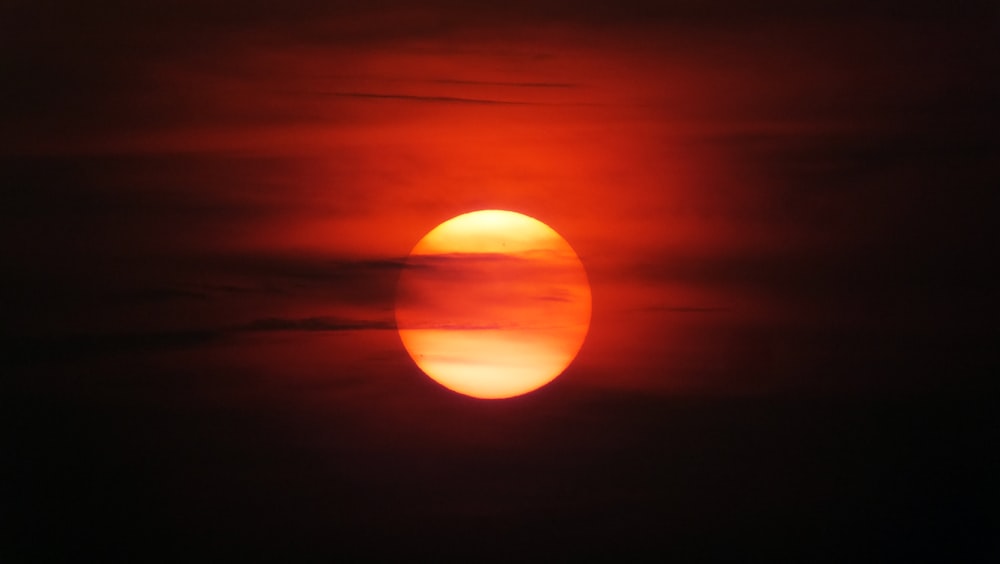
(493, 304)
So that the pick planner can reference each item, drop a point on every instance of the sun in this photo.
(493, 304)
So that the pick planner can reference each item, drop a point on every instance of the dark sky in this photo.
(786, 212)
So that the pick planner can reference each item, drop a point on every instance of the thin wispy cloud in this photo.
(486, 326)
(689, 309)
(433, 99)
(316, 324)
(74, 347)
(456, 81)
(80, 346)
(157, 295)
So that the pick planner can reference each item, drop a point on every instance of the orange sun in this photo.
(493, 304)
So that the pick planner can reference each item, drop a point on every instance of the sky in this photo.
(785, 212)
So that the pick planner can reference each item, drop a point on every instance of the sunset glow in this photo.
(531, 280)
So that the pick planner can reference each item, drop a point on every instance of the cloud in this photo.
(310, 268)
(316, 324)
(688, 309)
(158, 295)
(489, 326)
(537, 258)
(82, 346)
(436, 99)
(501, 83)
(77, 347)
(369, 283)
(554, 298)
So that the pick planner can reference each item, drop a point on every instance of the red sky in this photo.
(783, 199)
(704, 166)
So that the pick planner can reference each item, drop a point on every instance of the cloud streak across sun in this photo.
(493, 304)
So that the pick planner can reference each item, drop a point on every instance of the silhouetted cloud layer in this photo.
(315, 324)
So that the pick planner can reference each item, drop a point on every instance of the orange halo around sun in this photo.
(493, 304)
